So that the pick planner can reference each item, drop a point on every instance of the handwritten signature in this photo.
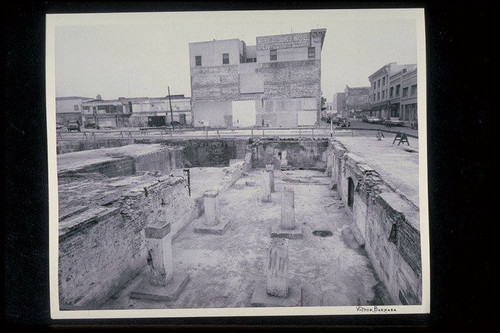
(374, 309)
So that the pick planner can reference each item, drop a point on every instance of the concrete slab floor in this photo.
(224, 269)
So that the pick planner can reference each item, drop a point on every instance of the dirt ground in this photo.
(224, 269)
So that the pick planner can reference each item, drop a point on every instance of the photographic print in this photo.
(237, 163)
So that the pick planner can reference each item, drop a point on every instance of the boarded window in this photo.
(311, 53)
(273, 54)
(225, 58)
(197, 60)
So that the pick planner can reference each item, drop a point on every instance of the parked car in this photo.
(344, 123)
(373, 120)
(393, 122)
(73, 126)
(414, 124)
(59, 126)
(91, 125)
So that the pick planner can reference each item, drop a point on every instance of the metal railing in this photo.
(166, 133)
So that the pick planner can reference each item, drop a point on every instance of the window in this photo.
(374, 85)
(197, 60)
(405, 92)
(374, 97)
(383, 94)
(398, 87)
(225, 58)
(414, 90)
(383, 81)
(378, 96)
(77, 108)
(311, 53)
(391, 92)
(378, 83)
(273, 54)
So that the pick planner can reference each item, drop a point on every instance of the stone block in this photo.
(260, 297)
(216, 229)
(278, 232)
(169, 292)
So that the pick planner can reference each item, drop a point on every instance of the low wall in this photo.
(386, 224)
(101, 248)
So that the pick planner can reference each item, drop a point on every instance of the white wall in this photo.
(244, 114)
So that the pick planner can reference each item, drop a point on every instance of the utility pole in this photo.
(171, 113)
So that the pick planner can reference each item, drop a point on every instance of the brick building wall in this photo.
(294, 76)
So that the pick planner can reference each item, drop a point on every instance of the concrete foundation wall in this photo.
(84, 144)
(102, 248)
(385, 223)
(210, 152)
(307, 154)
(120, 163)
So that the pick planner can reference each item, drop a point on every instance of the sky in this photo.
(141, 54)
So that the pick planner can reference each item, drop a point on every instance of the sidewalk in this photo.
(397, 165)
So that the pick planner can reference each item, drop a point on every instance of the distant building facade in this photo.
(338, 104)
(148, 111)
(106, 113)
(386, 90)
(357, 99)
(409, 96)
(276, 82)
(69, 109)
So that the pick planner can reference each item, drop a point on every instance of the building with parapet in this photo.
(276, 82)
(338, 104)
(69, 109)
(156, 111)
(385, 85)
(356, 100)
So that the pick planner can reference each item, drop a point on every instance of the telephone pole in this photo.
(171, 113)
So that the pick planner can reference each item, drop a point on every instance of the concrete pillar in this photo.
(287, 208)
(329, 163)
(266, 186)
(270, 169)
(211, 204)
(284, 161)
(277, 268)
(159, 247)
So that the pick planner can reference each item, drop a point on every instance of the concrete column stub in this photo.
(159, 254)
(211, 205)
(266, 186)
(270, 169)
(287, 208)
(277, 268)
